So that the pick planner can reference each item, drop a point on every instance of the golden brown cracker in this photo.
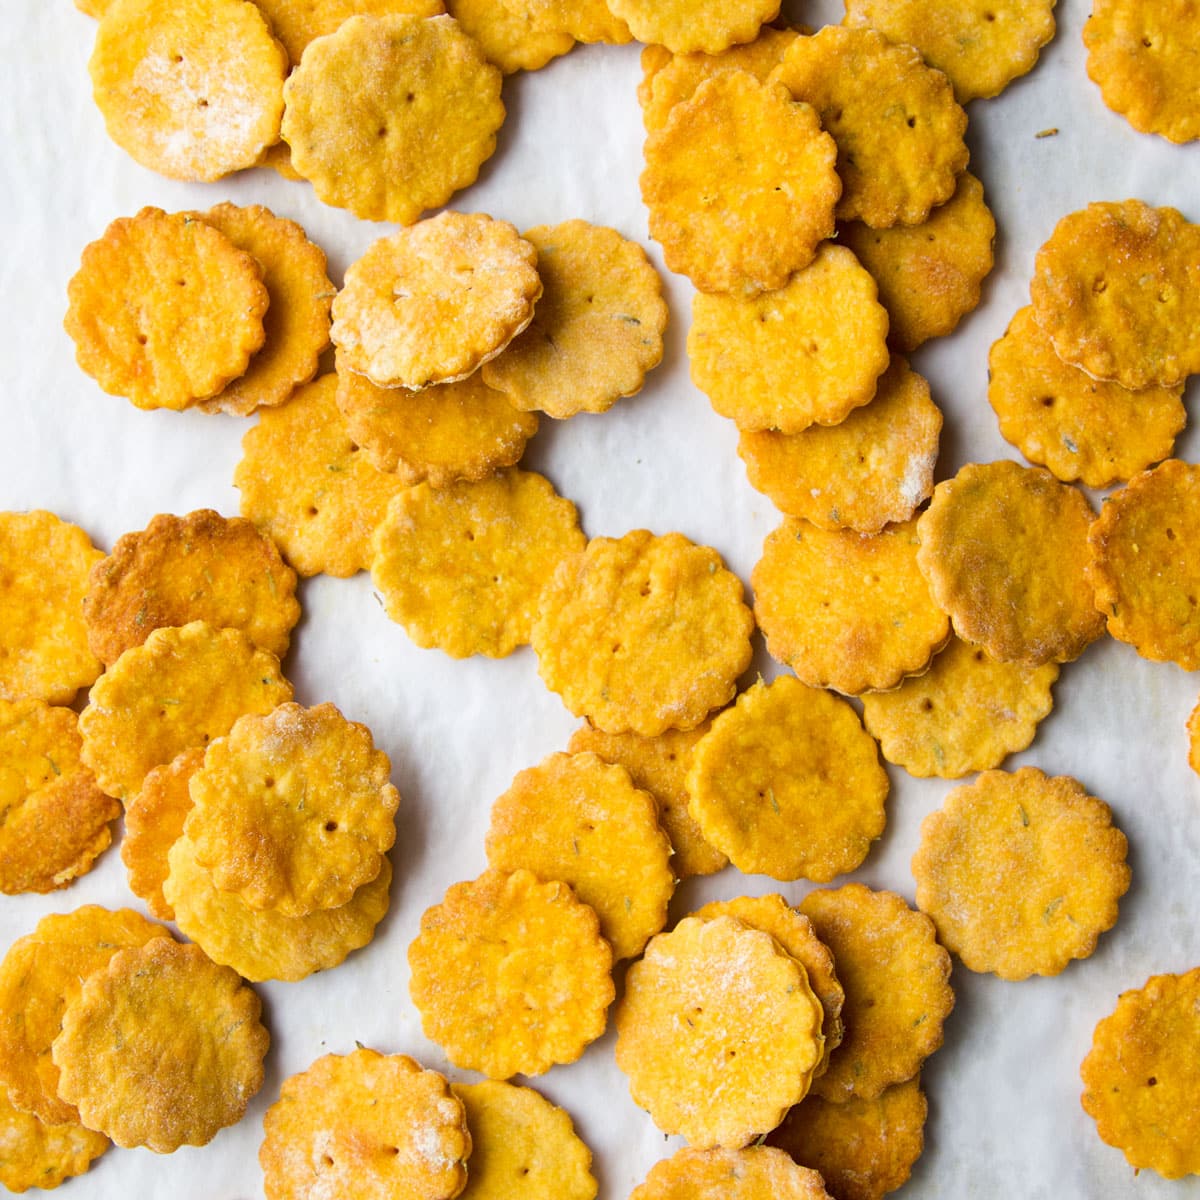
(755, 1173)
(718, 1032)
(596, 331)
(1004, 548)
(510, 975)
(1081, 428)
(897, 990)
(687, 26)
(389, 116)
(870, 470)
(576, 818)
(788, 783)
(279, 159)
(846, 610)
(740, 184)
(583, 20)
(1193, 728)
(643, 633)
(164, 310)
(297, 22)
(808, 353)
(433, 303)
(35, 1154)
(508, 38)
(461, 568)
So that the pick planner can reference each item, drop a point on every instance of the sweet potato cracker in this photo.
(584, 20)
(755, 1173)
(511, 975)
(686, 26)
(808, 353)
(642, 633)
(34, 1154)
(509, 39)
(297, 22)
(718, 1031)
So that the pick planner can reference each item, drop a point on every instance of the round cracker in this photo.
(685, 26)
(583, 20)
(508, 38)
(297, 22)
(40, 1155)
(755, 1173)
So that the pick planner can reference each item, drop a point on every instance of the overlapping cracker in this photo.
(755, 1173)
(509, 39)
(583, 20)
(35, 1154)
(688, 26)
(297, 22)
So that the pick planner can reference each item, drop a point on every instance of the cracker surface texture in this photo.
(36, 1154)
(686, 26)
(755, 1173)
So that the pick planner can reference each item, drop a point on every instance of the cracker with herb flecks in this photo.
(40, 1154)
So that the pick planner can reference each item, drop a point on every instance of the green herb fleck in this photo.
(1024, 815)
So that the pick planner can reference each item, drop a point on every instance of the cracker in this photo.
(929, 275)
(1193, 728)
(897, 990)
(192, 89)
(575, 818)
(981, 45)
(1081, 428)
(811, 352)
(1020, 872)
(293, 811)
(389, 116)
(365, 1124)
(584, 20)
(1004, 548)
(870, 470)
(523, 1147)
(54, 820)
(740, 184)
(755, 1173)
(453, 431)
(34, 1154)
(183, 688)
(596, 331)
(862, 1148)
(718, 1032)
(846, 610)
(1147, 585)
(686, 26)
(162, 1048)
(1141, 1075)
(41, 974)
(966, 713)
(659, 765)
(1116, 288)
(898, 128)
(279, 159)
(296, 324)
(509, 39)
(199, 567)
(297, 22)
(1143, 56)
(642, 633)
(309, 488)
(433, 303)
(461, 568)
(510, 975)
(266, 945)
(788, 783)
(44, 566)
(164, 310)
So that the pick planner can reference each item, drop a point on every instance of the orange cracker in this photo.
(584, 20)
(718, 1031)
(1020, 872)
(862, 1148)
(1143, 56)
(462, 568)
(192, 89)
(788, 783)
(522, 1146)
(183, 688)
(35, 1154)
(1004, 548)
(898, 128)
(309, 488)
(576, 818)
(846, 610)
(808, 353)
(929, 275)
(54, 820)
(1146, 582)
(740, 184)
(297, 22)
(897, 990)
(389, 116)
(659, 765)
(1117, 290)
(967, 713)
(686, 26)
(44, 566)
(643, 634)
(511, 975)
(596, 331)
(41, 974)
(365, 1124)
(755, 1173)
(432, 303)
(1080, 428)
(199, 567)
(164, 309)
(872, 469)
(1193, 728)
(1142, 1073)
(509, 39)
(162, 1048)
